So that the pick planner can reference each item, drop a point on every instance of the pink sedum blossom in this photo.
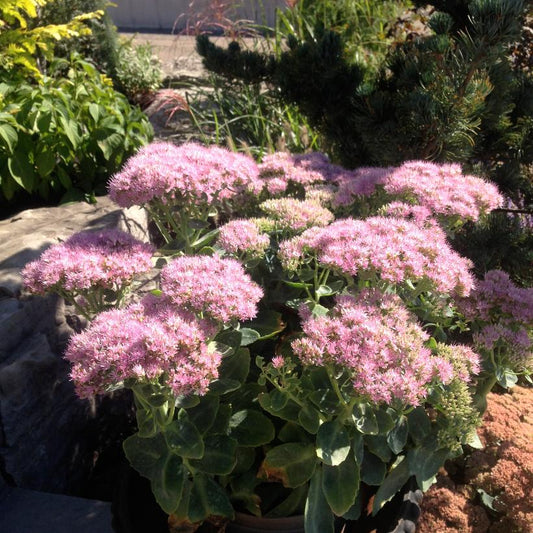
(148, 341)
(419, 214)
(295, 215)
(218, 287)
(190, 173)
(395, 249)
(243, 236)
(444, 189)
(359, 182)
(106, 259)
(378, 343)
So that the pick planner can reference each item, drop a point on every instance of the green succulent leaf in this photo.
(332, 443)
(373, 469)
(144, 453)
(219, 455)
(394, 481)
(397, 438)
(309, 418)
(168, 482)
(365, 419)
(251, 428)
(291, 464)
(424, 463)
(184, 439)
(207, 499)
(341, 485)
(318, 517)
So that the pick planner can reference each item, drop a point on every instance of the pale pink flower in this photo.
(107, 259)
(144, 342)
(243, 236)
(218, 287)
(290, 214)
(419, 214)
(188, 174)
(359, 182)
(378, 343)
(396, 250)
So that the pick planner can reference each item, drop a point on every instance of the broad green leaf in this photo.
(221, 422)
(278, 399)
(204, 414)
(341, 485)
(394, 481)
(309, 418)
(332, 443)
(9, 135)
(267, 323)
(219, 455)
(290, 412)
(144, 453)
(291, 464)
(419, 424)
(168, 482)
(378, 445)
(70, 128)
(424, 463)
(22, 171)
(184, 439)
(385, 420)
(326, 401)
(223, 386)
(110, 144)
(207, 499)
(506, 378)
(293, 432)
(229, 337)
(236, 366)
(365, 419)
(249, 336)
(397, 438)
(373, 469)
(251, 428)
(318, 516)
(146, 423)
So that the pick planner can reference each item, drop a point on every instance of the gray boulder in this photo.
(49, 439)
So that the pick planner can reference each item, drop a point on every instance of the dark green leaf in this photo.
(21, 170)
(9, 135)
(424, 463)
(205, 413)
(219, 455)
(168, 482)
(395, 480)
(45, 161)
(207, 499)
(318, 515)
(373, 469)
(309, 418)
(419, 424)
(251, 428)
(341, 485)
(292, 505)
(365, 419)
(326, 401)
(378, 445)
(183, 438)
(291, 464)
(144, 453)
(397, 438)
(332, 443)
(249, 336)
(236, 366)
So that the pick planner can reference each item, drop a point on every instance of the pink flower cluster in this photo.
(360, 182)
(106, 259)
(218, 287)
(189, 173)
(443, 189)
(243, 236)
(504, 313)
(145, 342)
(296, 215)
(397, 250)
(419, 214)
(378, 343)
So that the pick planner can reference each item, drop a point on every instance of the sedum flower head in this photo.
(444, 189)
(290, 214)
(190, 173)
(148, 341)
(106, 259)
(217, 287)
(375, 339)
(397, 250)
(243, 236)
(359, 182)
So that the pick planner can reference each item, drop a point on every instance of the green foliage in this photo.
(138, 71)
(453, 94)
(62, 138)
(23, 41)
(100, 45)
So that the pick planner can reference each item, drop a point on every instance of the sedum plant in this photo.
(304, 351)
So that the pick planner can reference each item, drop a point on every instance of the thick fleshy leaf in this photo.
(365, 419)
(291, 464)
(168, 482)
(424, 463)
(332, 443)
(419, 424)
(341, 485)
(146, 423)
(219, 455)
(236, 366)
(249, 336)
(309, 418)
(290, 412)
(292, 505)
(373, 469)
(397, 437)
(207, 499)
(251, 428)
(378, 445)
(204, 414)
(318, 515)
(183, 438)
(144, 453)
(394, 481)
(326, 401)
